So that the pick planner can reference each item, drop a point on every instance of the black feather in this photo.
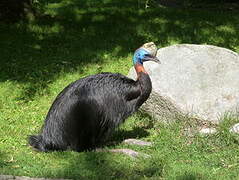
(86, 112)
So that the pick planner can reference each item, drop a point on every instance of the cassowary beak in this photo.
(151, 58)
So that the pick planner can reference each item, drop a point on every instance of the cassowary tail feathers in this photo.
(36, 142)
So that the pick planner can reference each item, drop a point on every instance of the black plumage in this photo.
(86, 112)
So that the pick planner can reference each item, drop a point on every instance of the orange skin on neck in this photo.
(139, 68)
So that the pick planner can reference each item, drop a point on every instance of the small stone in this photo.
(235, 129)
(137, 142)
(6, 177)
(205, 131)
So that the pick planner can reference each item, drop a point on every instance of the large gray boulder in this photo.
(198, 81)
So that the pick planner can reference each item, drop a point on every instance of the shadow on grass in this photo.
(74, 34)
(106, 165)
(121, 134)
(139, 130)
(2, 162)
(187, 177)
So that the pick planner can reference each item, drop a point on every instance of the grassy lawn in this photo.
(78, 38)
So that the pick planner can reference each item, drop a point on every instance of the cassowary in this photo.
(86, 112)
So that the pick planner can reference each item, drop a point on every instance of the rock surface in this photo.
(235, 128)
(206, 131)
(199, 81)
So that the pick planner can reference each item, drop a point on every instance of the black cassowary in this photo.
(86, 112)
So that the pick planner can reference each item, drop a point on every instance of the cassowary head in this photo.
(147, 52)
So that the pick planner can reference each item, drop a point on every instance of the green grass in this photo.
(78, 38)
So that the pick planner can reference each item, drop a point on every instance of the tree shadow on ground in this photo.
(121, 134)
(3, 161)
(104, 165)
(190, 176)
(74, 34)
(108, 165)
(79, 33)
(137, 132)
